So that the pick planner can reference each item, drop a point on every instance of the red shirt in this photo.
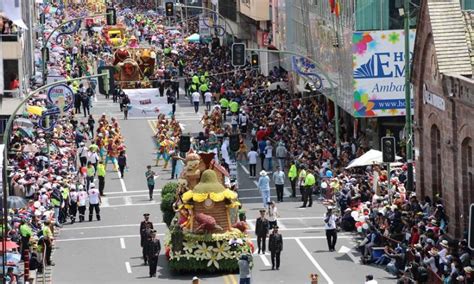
(15, 84)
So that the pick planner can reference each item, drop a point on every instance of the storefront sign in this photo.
(61, 96)
(432, 99)
(379, 72)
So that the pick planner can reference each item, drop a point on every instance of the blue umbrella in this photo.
(193, 38)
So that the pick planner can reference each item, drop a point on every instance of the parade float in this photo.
(205, 232)
(134, 64)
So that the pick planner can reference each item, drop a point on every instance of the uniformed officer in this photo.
(73, 198)
(275, 245)
(145, 228)
(152, 251)
(261, 230)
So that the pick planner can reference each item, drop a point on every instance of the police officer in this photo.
(275, 245)
(145, 228)
(152, 250)
(261, 230)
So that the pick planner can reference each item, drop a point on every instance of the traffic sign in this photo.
(61, 96)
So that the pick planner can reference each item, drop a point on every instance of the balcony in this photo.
(258, 10)
(11, 46)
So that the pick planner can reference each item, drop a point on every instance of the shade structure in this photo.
(369, 158)
(10, 245)
(193, 38)
(15, 202)
(23, 122)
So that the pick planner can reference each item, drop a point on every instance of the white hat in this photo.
(263, 173)
(92, 185)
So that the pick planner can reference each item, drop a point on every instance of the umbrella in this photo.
(10, 245)
(282, 85)
(15, 202)
(193, 38)
(369, 158)
(23, 122)
(13, 258)
(25, 132)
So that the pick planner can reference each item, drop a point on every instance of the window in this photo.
(467, 172)
(467, 4)
(435, 160)
(383, 14)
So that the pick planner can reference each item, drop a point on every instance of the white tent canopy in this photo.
(369, 158)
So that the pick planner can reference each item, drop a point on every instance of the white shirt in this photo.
(82, 151)
(331, 224)
(272, 214)
(93, 158)
(73, 196)
(94, 196)
(208, 97)
(243, 119)
(82, 198)
(252, 155)
(196, 96)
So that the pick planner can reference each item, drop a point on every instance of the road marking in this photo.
(256, 183)
(128, 200)
(244, 168)
(152, 126)
(128, 267)
(122, 243)
(104, 202)
(315, 263)
(138, 204)
(124, 196)
(265, 260)
(124, 188)
(281, 226)
(107, 226)
(346, 250)
(226, 279)
(130, 191)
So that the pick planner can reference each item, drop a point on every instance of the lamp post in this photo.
(326, 76)
(6, 136)
(408, 118)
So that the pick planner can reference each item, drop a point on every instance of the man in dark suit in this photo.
(275, 245)
(261, 230)
(152, 250)
(145, 228)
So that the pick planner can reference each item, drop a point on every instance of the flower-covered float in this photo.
(206, 233)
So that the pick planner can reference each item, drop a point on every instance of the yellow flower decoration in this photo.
(217, 197)
(214, 260)
(188, 206)
(200, 197)
(187, 195)
(229, 194)
(203, 251)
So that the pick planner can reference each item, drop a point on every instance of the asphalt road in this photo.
(108, 251)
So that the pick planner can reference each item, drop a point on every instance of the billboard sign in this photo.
(379, 72)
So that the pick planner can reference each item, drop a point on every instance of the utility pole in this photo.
(408, 123)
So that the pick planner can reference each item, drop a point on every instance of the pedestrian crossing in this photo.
(140, 199)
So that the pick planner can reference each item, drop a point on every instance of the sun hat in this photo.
(263, 173)
(444, 243)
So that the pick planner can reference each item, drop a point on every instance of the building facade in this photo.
(444, 114)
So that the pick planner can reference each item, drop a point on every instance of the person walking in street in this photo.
(82, 198)
(83, 152)
(292, 176)
(281, 154)
(94, 202)
(196, 97)
(48, 241)
(224, 103)
(175, 157)
(125, 105)
(308, 185)
(269, 155)
(275, 246)
(261, 231)
(245, 267)
(25, 232)
(90, 175)
(150, 180)
(145, 228)
(93, 157)
(208, 100)
(152, 251)
(122, 163)
(330, 227)
(279, 180)
(101, 172)
(73, 198)
(301, 178)
(91, 123)
(252, 158)
(264, 187)
(272, 215)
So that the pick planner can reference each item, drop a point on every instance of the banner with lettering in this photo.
(379, 72)
(147, 103)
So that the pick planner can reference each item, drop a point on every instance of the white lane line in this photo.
(107, 226)
(124, 188)
(256, 183)
(265, 260)
(315, 263)
(122, 243)
(131, 192)
(105, 202)
(348, 251)
(137, 204)
(281, 226)
(130, 196)
(136, 236)
(244, 168)
(128, 200)
(128, 267)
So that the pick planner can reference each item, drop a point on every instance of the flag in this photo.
(335, 6)
(332, 4)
